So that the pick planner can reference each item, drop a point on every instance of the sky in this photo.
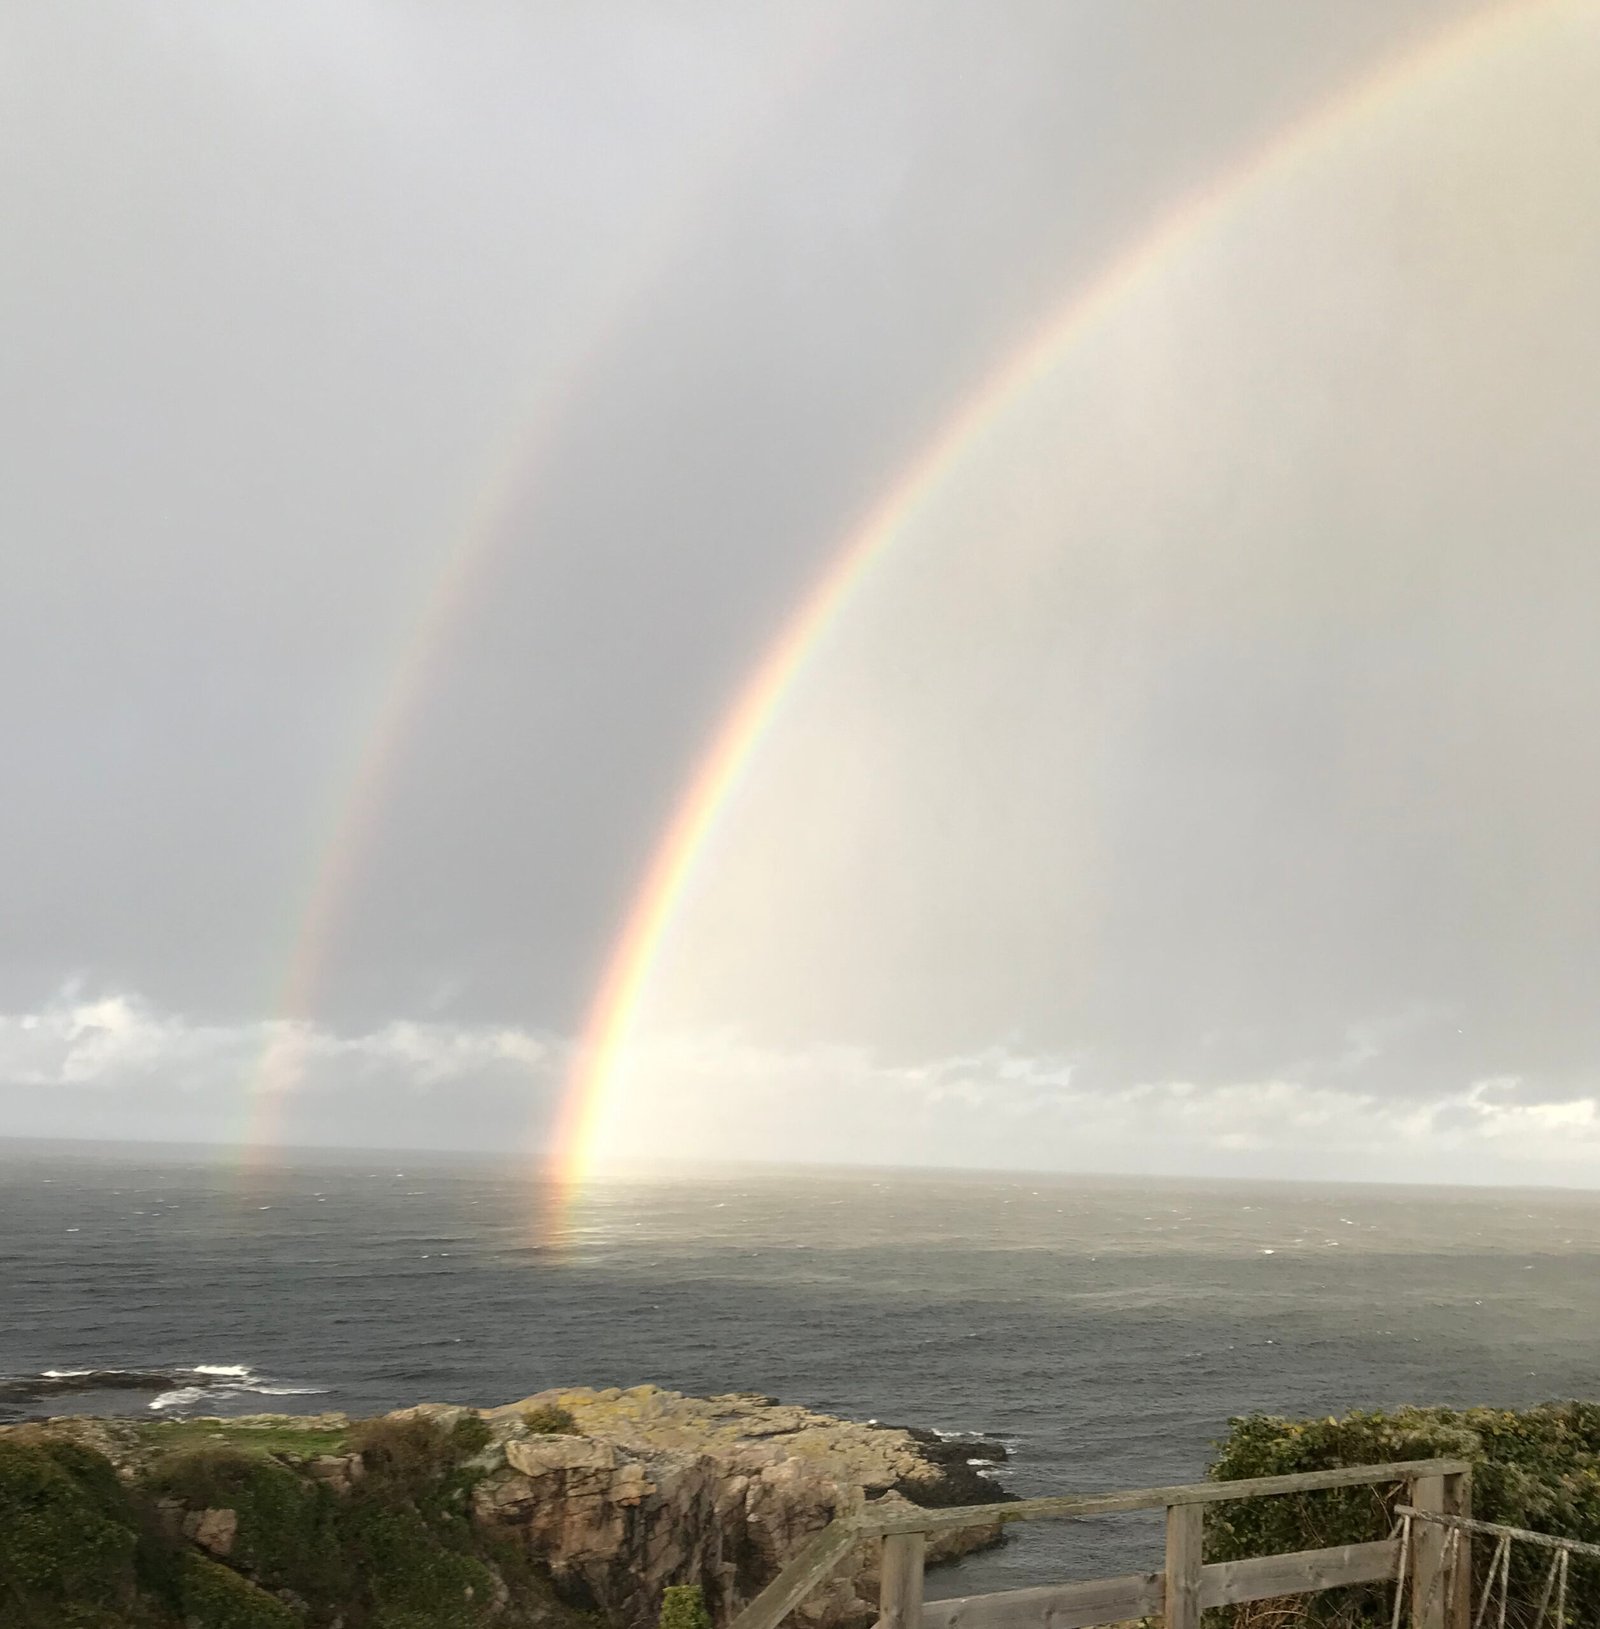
(421, 420)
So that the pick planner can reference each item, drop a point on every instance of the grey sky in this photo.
(280, 281)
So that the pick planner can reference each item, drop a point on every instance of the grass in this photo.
(296, 1442)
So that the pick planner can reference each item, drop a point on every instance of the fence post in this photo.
(1458, 1502)
(900, 1581)
(1185, 1546)
(1428, 1587)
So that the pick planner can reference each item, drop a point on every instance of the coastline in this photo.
(570, 1501)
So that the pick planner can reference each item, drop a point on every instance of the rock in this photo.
(340, 1472)
(657, 1488)
(212, 1530)
(960, 1461)
(539, 1456)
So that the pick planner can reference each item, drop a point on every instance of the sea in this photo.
(1103, 1329)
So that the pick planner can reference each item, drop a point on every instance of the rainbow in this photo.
(592, 1097)
(448, 593)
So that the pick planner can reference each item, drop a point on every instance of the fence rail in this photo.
(1439, 1492)
(1523, 1535)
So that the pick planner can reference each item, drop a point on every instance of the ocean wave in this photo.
(210, 1383)
(182, 1397)
(175, 1389)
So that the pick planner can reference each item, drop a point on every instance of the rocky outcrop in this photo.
(612, 1495)
(650, 1488)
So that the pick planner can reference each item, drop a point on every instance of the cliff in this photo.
(565, 1503)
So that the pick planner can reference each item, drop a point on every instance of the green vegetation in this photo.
(286, 1536)
(395, 1549)
(69, 1540)
(549, 1420)
(1537, 1467)
(302, 1442)
(412, 1576)
(683, 1606)
(218, 1598)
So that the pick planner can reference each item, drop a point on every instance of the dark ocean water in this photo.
(1105, 1329)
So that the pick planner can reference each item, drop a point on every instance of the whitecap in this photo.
(181, 1398)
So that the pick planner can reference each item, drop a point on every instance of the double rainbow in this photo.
(593, 1097)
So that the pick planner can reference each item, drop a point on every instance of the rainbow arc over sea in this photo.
(593, 1097)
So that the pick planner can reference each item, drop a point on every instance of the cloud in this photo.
(113, 1065)
(724, 1096)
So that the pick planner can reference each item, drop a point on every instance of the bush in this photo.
(683, 1606)
(215, 1597)
(398, 1550)
(549, 1420)
(413, 1577)
(410, 1455)
(405, 1533)
(286, 1535)
(68, 1536)
(470, 1434)
(406, 1453)
(1537, 1468)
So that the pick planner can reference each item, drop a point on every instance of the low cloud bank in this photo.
(112, 1066)
(1005, 1108)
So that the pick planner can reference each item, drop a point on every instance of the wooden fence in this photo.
(1440, 1574)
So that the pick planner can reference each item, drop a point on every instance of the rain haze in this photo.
(425, 422)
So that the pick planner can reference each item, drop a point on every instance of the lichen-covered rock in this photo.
(652, 1488)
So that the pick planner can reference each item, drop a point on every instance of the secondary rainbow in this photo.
(448, 591)
(591, 1097)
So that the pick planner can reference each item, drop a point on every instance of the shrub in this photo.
(1537, 1468)
(216, 1597)
(470, 1435)
(549, 1420)
(79, 1550)
(683, 1606)
(403, 1450)
(68, 1536)
(285, 1537)
(404, 1530)
(411, 1578)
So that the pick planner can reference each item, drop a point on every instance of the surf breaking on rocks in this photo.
(172, 1389)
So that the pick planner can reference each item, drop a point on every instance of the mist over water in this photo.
(1104, 1328)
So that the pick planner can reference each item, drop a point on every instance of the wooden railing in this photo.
(1183, 1589)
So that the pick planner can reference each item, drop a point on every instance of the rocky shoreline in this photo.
(658, 1488)
(608, 1495)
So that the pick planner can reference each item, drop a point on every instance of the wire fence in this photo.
(1526, 1580)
